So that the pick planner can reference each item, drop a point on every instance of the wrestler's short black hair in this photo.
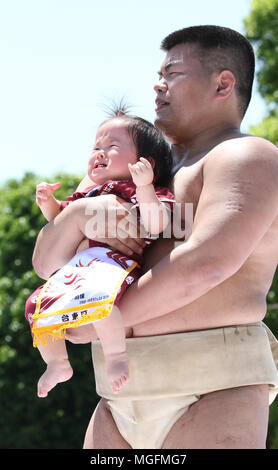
(148, 140)
(219, 48)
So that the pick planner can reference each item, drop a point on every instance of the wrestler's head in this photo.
(207, 74)
(123, 139)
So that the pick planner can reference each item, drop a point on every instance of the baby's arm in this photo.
(153, 212)
(47, 203)
(50, 206)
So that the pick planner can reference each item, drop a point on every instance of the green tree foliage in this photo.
(268, 128)
(60, 420)
(261, 27)
(262, 30)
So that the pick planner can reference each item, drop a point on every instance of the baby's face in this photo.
(113, 150)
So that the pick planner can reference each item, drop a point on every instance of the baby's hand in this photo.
(141, 172)
(44, 191)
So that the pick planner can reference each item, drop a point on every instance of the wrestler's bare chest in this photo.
(187, 184)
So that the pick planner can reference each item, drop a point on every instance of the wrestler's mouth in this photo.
(160, 104)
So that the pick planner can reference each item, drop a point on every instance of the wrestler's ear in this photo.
(225, 83)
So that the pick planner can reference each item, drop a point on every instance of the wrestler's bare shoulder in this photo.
(246, 147)
(240, 152)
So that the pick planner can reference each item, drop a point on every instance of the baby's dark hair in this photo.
(148, 140)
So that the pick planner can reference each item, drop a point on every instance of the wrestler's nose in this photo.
(160, 86)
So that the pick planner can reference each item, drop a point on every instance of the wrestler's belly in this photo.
(218, 308)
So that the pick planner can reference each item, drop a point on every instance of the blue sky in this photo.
(62, 60)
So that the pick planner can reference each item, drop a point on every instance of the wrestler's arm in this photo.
(58, 240)
(238, 203)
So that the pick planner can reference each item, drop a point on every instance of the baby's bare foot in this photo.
(57, 371)
(117, 367)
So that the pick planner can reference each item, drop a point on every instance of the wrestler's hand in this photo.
(141, 172)
(116, 225)
(44, 192)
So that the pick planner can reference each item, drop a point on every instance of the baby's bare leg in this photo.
(111, 333)
(55, 355)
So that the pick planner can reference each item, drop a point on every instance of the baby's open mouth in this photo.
(99, 165)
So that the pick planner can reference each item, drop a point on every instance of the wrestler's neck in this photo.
(190, 148)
